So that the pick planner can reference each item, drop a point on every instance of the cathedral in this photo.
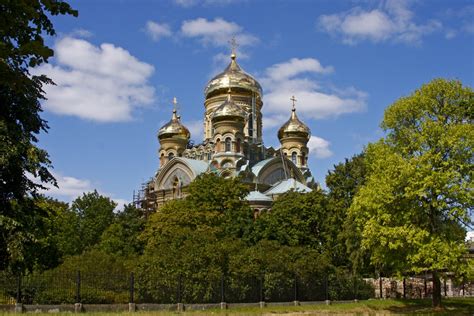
(232, 145)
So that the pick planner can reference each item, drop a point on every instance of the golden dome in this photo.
(233, 77)
(173, 128)
(229, 109)
(294, 127)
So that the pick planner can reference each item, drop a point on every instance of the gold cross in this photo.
(175, 104)
(233, 45)
(294, 100)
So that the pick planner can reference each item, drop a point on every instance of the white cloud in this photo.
(191, 3)
(81, 33)
(103, 84)
(295, 67)
(157, 31)
(216, 32)
(68, 187)
(196, 129)
(314, 101)
(392, 20)
(319, 147)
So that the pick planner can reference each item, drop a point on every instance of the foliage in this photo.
(94, 213)
(297, 219)
(22, 26)
(343, 183)
(419, 193)
(121, 237)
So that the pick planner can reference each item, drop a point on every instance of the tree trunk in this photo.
(436, 290)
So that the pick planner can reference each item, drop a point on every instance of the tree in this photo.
(343, 183)
(95, 214)
(297, 219)
(22, 26)
(121, 237)
(415, 206)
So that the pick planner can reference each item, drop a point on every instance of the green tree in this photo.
(22, 27)
(415, 205)
(297, 219)
(95, 214)
(343, 183)
(121, 237)
(193, 238)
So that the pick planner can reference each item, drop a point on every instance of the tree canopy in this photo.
(415, 206)
(22, 27)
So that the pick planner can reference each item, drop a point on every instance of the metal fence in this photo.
(54, 288)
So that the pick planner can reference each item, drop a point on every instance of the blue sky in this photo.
(119, 64)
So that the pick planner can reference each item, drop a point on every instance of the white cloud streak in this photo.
(104, 84)
(319, 147)
(216, 32)
(392, 20)
(157, 31)
(292, 77)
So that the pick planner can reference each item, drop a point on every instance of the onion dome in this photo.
(174, 128)
(233, 77)
(294, 127)
(229, 109)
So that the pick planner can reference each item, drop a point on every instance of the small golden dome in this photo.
(233, 77)
(294, 127)
(174, 128)
(229, 109)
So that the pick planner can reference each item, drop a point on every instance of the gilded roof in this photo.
(294, 125)
(173, 128)
(233, 77)
(229, 109)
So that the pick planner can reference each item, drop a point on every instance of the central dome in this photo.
(233, 77)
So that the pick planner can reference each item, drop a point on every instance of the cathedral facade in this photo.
(232, 145)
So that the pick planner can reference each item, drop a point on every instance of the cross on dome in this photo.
(293, 99)
(233, 45)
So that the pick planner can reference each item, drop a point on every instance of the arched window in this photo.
(228, 144)
(209, 156)
(218, 145)
(237, 147)
(250, 125)
(293, 157)
(176, 188)
(162, 159)
(303, 159)
(170, 156)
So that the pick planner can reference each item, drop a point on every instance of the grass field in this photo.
(461, 306)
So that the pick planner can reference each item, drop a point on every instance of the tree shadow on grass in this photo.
(462, 306)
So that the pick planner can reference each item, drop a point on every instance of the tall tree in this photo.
(343, 183)
(96, 214)
(22, 27)
(419, 194)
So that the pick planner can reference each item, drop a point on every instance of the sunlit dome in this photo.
(229, 109)
(174, 128)
(232, 77)
(294, 127)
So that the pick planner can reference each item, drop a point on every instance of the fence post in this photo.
(78, 304)
(180, 304)
(445, 287)
(425, 286)
(131, 303)
(355, 288)
(262, 293)
(295, 284)
(404, 288)
(380, 286)
(223, 303)
(326, 288)
(18, 305)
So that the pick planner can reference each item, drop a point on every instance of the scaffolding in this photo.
(145, 198)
